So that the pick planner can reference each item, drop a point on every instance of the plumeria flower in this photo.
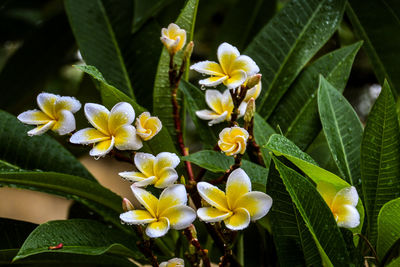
(147, 127)
(175, 262)
(342, 204)
(221, 107)
(158, 170)
(238, 206)
(232, 69)
(110, 129)
(173, 38)
(251, 93)
(169, 211)
(56, 114)
(233, 140)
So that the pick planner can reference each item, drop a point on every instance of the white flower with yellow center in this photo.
(238, 206)
(175, 262)
(232, 70)
(173, 38)
(221, 107)
(233, 140)
(56, 114)
(159, 170)
(251, 93)
(342, 204)
(110, 129)
(147, 127)
(169, 211)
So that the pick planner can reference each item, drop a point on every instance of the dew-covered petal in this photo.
(102, 148)
(34, 117)
(208, 67)
(145, 198)
(68, 103)
(212, 116)
(210, 214)
(236, 79)
(97, 115)
(158, 228)
(126, 138)
(213, 81)
(137, 217)
(121, 114)
(346, 196)
(246, 64)
(171, 196)
(146, 182)
(137, 177)
(41, 129)
(88, 136)
(213, 196)
(144, 162)
(239, 220)
(46, 102)
(237, 185)
(147, 127)
(65, 122)
(256, 203)
(226, 56)
(347, 216)
(167, 177)
(214, 101)
(179, 216)
(165, 160)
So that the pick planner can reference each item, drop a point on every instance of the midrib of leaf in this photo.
(277, 74)
(117, 49)
(341, 141)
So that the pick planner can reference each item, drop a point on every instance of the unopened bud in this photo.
(127, 205)
(183, 181)
(250, 110)
(189, 50)
(253, 80)
(193, 231)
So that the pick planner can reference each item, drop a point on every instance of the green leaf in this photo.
(36, 152)
(381, 45)
(97, 41)
(111, 96)
(394, 263)
(194, 98)
(89, 193)
(262, 132)
(297, 112)
(343, 131)
(380, 158)
(317, 216)
(388, 227)
(217, 162)
(78, 236)
(162, 105)
(285, 45)
(294, 244)
(281, 146)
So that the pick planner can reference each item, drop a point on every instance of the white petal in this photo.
(102, 148)
(88, 136)
(208, 67)
(179, 216)
(167, 177)
(237, 185)
(166, 160)
(348, 217)
(133, 176)
(213, 81)
(145, 198)
(46, 102)
(237, 78)
(65, 122)
(256, 203)
(210, 214)
(68, 103)
(206, 114)
(136, 217)
(214, 100)
(126, 138)
(239, 220)
(146, 182)
(97, 115)
(347, 195)
(247, 64)
(41, 129)
(226, 56)
(157, 229)
(121, 114)
(34, 117)
(171, 196)
(213, 196)
(144, 162)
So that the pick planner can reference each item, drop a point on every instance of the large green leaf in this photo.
(37, 152)
(194, 98)
(217, 162)
(262, 132)
(381, 45)
(89, 193)
(343, 131)
(97, 40)
(79, 236)
(294, 243)
(288, 42)
(388, 227)
(162, 105)
(297, 112)
(317, 216)
(380, 158)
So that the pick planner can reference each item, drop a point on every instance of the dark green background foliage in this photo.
(316, 120)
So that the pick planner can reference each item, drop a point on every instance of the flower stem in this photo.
(145, 246)
(203, 253)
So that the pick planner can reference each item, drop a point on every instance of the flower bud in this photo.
(189, 50)
(127, 205)
(253, 80)
(250, 110)
(173, 38)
